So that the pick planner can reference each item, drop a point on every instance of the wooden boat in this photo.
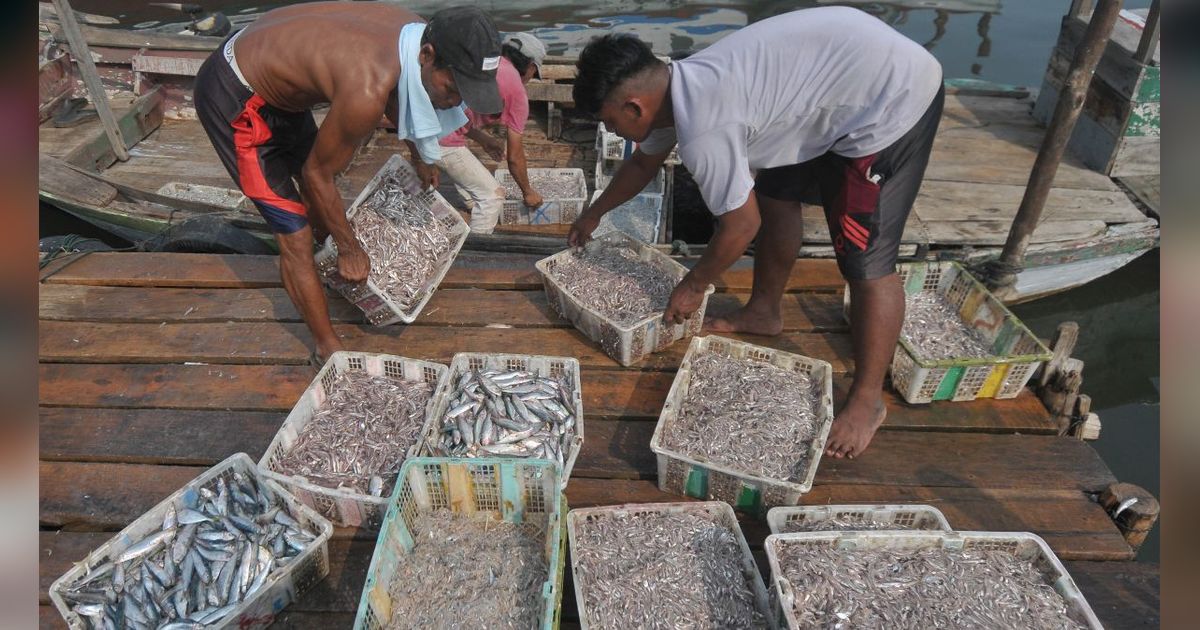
(981, 161)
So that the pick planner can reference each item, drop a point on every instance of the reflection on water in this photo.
(1007, 41)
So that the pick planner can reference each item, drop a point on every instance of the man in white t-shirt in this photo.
(827, 99)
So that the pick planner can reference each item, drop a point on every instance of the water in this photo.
(1006, 41)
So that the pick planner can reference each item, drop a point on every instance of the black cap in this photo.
(466, 40)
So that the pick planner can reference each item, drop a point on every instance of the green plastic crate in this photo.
(522, 491)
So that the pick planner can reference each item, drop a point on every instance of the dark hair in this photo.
(438, 60)
(606, 63)
(516, 57)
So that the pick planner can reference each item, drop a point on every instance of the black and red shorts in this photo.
(867, 200)
(261, 146)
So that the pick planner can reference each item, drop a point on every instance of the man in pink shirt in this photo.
(521, 57)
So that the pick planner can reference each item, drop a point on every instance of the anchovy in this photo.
(611, 279)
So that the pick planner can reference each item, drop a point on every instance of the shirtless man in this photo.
(827, 98)
(254, 97)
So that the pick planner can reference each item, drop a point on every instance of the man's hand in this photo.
(353, 262)
(685, 300)
(533, 199)
(428, 174)
(581, 230)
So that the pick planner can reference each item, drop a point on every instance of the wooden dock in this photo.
(156, 366)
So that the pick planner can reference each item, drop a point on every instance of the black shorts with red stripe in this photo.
(261, 146)
(867, 200)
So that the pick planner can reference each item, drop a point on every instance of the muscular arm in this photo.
(735, 230)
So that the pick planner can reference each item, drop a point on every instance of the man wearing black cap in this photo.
(365, 60)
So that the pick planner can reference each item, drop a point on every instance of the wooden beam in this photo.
(91, 78)
(1149, 41)
(155, 64)
(1133, 509)
(143, 116)
(556, 92)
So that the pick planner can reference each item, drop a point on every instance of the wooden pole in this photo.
(1066, 112)
(91, 78)
(1149, 41)
(1132, 509)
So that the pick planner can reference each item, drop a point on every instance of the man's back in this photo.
(299, 56)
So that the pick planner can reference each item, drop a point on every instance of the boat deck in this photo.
(977, 174)
(156, 366)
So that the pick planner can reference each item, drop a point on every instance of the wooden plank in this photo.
(157, 64)
(286, 343)
(1122, 594)
(1000, 154)
(554, 92)
(995, 232)
(58, 179)
(483, 270)
(87, 71)
(126, 38)
(1147, 189)
(55, 83)
(230, 387)
(957, 201)
(808, 312)
(142, 117)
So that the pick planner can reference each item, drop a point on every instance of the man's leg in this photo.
(779, 239)
(480, 186)
(299, 273)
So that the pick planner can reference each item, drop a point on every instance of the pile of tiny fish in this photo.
(842, 524)
(927, 588)
(614, 282)
(552, 186)
(934, 328)
(360, 436)
(215, 549)
(747, 415)
(469, 573)
(512, 413)
(403, 239)
(662, 570)
(637, 217)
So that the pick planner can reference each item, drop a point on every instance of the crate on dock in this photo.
(544, 366)
(380, 309)
(557, 209)
(639, 217)
(718, 512)
(605, 171)
(283, 587)
(610, 146)
(804, 518)
(343, 507)
(696, 476)
(1023, 545)
(1017, 351)
(524, 492)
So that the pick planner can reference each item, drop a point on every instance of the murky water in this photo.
(1007, 41)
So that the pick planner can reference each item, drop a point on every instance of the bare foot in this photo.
(853, 429)
(746, 320)
(324, 351)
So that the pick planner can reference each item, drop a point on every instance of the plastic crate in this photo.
(1022, 544)
(697, 477)
(344, 508)
(380, 309)
(541, 365)
(606, 170)
(639, 217)
(283, 587)
(717, 511)
(1018, 351)
(610, 146)
(556, 210)
(522, 491)
(625, 344)
(787, 520)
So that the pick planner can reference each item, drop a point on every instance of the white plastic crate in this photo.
(695, 476)
(639, 217)
(523, 491)
(1021, 544)
(798, 518)
(610, 146)
(605, 171)
(283, 587)
(379, 308)
(545, 366)
(1018, 351)
(344, 508)
(625, 344)
(558, 209)
(716, 511)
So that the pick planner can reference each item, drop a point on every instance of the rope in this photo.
(994, 272)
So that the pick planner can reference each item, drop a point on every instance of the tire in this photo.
(208, 235)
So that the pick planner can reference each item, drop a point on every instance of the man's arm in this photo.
(427, 173)
(517, 168)
(735, 230)
(349, 121)
(629, 180)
